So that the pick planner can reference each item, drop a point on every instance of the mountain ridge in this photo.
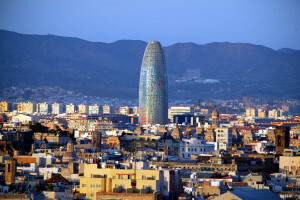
(112, 69)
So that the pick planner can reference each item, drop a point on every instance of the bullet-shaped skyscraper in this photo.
(153, 91)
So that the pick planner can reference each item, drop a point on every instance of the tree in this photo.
(38, 128)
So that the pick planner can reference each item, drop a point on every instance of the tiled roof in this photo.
(56, 178)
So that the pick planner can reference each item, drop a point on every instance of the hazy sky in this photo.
(273, 23)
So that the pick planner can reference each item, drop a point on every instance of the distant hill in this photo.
(112, 69)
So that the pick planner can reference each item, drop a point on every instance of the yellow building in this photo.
(108, 180)
(5, 106)
(26, 107)
(261, 113)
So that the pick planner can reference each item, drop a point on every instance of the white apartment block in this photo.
(195, 146)
(224, 138)
(43, 108)
(178, 110)
(94, 109)
(57, 108)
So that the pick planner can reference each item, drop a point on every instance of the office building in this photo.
(153, 89)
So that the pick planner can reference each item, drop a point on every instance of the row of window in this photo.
(92, 185)
(195, 149)
(147, 178)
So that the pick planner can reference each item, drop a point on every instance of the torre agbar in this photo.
(153, 91)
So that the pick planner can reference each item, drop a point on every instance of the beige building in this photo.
(107, 180)
(25, 119)
(124, 110)
(289, 164)
(27, 107)
(52, 138)
(106, 109)
(250, 112)
(273, 113)
(83, 108)
(70, 108)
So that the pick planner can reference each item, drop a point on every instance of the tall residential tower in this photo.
(153, 91)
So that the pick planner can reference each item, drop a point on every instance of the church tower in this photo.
(282, 138)
(96, 140)
(215, 118)
(10, 170)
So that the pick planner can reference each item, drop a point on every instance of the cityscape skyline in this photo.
(130, 120)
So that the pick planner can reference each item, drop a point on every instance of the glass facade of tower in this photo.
(153, 91)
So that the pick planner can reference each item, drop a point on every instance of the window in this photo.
(98, 186)
(84, 185)
(92, 185)
(93, 194)
(182, 149)
(153, 177)
(144, 177)
(8, 167)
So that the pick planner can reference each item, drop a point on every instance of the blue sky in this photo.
(272, 23)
